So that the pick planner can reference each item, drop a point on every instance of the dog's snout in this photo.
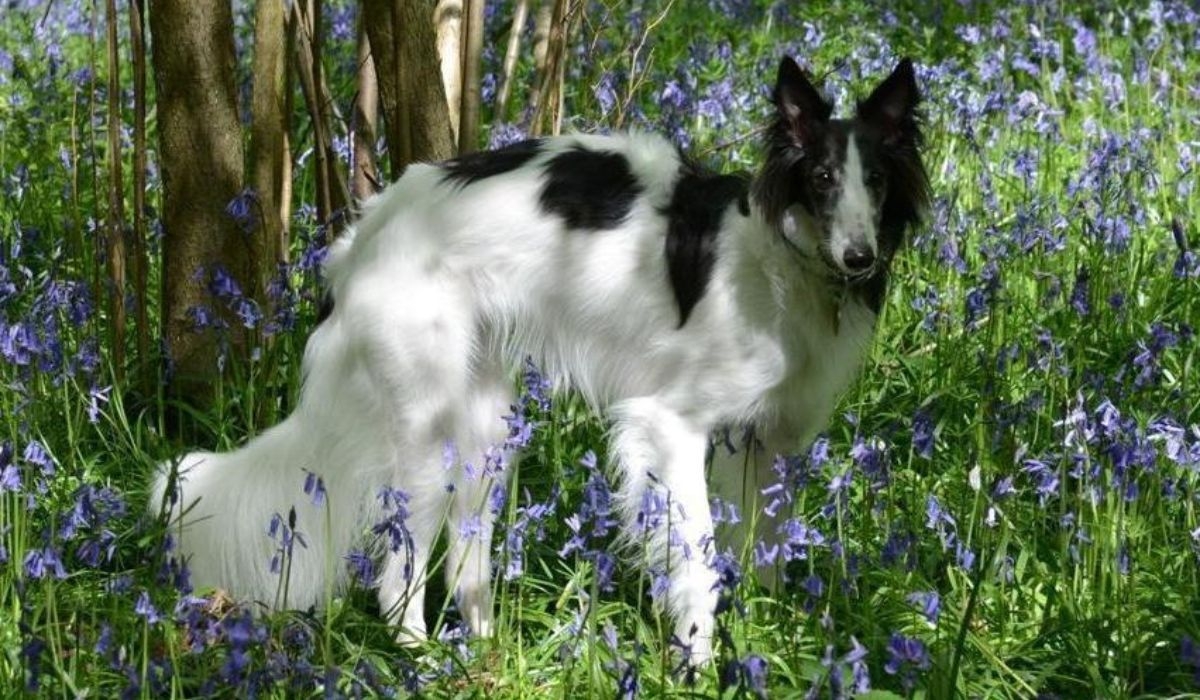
(858, 259)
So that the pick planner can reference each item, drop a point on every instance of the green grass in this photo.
(1088, 590)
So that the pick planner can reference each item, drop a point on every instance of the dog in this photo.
(675, 300)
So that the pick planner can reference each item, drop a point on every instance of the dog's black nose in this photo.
(858, 259)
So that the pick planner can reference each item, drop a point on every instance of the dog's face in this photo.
(841, 192)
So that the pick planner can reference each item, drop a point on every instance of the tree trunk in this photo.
(137, 47)
(115, 247)
(468, 133)
(364, 178)
(548, 106)
(269, 152)
(200, 152)
(448, 19)
(510, 58)
(332, 191)
(414, 103)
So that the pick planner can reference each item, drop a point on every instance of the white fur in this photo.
(440, 291)
(854, 219)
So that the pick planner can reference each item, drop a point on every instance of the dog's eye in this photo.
(823, 178)
(874, 178)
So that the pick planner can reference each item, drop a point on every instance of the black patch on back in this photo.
(589, 189)
(473, 167)
(694, 215)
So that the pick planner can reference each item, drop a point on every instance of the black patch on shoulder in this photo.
(589, 189)
(694, 218)
(326, 307)
(473, 167)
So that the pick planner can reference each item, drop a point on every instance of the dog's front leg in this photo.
(664, 503)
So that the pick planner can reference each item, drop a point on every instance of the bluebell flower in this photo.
(605, 92)
(31, 658)
(144, 608)
(860, 674)
(906, 655)
(929, 602)
(1189, 654)
(314, 487)
(36, 455)
(45, 561)
(10, 475)
(243, 209)
(923, 433)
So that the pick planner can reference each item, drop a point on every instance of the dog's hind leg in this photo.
(664, 504)
(415, 344)
(474, 505)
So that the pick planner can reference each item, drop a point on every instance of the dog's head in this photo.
(841, 192)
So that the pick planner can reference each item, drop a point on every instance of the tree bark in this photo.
(269, 152)
(140, 261)
(332, 191)
(415, 115)
(510, 58)
(201, 157)
(364, 178)
(448, 19)
(115, 241)
(468, 131)
(548, 105)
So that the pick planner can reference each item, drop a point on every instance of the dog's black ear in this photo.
(800, 106)
(893, 105)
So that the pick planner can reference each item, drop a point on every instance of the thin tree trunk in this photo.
(116, 201)
(93, 149)
(541, 49)
(415, 114)
(269, 152)
(289, 105)
(548, 109)
(140, 261)
(364, 180)
(468, 132)
(511, 53)
(309, 64)
(448, 19)
(200, 150)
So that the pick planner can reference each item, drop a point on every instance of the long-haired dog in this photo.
(676, 300)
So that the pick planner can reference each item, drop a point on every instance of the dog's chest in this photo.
(824, 353)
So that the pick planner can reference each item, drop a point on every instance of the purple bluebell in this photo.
(314, 487)
(929, 602)
(906, 656)
(144, 608)
(244, 208)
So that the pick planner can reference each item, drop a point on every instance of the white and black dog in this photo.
(676, 300)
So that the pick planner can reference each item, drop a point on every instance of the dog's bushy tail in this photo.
(278, 515)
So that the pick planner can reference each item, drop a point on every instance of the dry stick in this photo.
(363, 181)
(734, 141)
(116, 201)
(510, 58)
(637, 78)
(468, 125)
(137, 46)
